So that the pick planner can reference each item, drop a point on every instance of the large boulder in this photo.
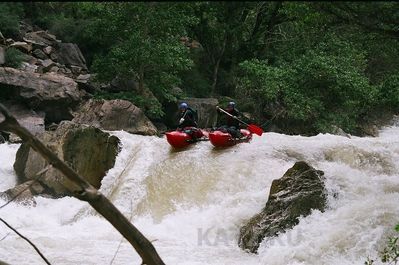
(52, 93)
(115, 115)
(40, 39)
(69, 54)
(88, 150)
(86, 82)
(22, 46)
(300, 190)
(39, 54)
(205, 107)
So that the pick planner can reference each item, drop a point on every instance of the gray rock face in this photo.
(31, 120)
(114, 115)
(27, 67)
(22, 46)
(70, 54)
(300, 190)
(47, 64)
(206, 108)
(48, 50)
(40, 38)
(39, 54)
(86, 82)
(52, 93)
(86, 149)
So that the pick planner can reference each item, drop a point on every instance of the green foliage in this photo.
(313, 64)
(389, 91)
(325, 86)
(391, 251)
(10, 14)
(195, 84)
(146, 46)
(390, 254)
(14, 57)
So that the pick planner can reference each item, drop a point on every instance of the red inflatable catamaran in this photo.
(223, 139)
(219, 138)
(183, 138)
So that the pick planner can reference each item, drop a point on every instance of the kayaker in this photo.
(188, 120)
(232, 125)
(187, 116)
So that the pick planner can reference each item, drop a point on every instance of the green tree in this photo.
(325, 86)
(10, 14)
(231, 32)
(144, 44)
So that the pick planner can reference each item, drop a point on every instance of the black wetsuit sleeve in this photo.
(189, 120)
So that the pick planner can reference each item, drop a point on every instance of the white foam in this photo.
(193, 202)
(7, 158)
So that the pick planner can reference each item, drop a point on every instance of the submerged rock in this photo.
(115, 115)
(23, 193)
(338, 131)
(88, 150)
(3, 263)
(300, 190)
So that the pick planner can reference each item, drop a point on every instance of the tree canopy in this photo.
(310, 65)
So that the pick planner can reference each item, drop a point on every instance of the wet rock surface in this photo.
(88, 150)
(296, 194)
(115, 115)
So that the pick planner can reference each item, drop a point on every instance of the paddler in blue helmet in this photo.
(187, 117)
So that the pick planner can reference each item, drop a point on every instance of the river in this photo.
(192, 203)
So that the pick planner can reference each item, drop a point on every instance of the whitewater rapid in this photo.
(192, 203)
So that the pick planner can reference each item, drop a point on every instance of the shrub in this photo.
(10, 14)
(14, 57)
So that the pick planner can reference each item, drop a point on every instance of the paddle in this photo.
(251, 127)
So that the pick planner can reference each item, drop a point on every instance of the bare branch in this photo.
(26, 239)
(120, 242)
(86, 192)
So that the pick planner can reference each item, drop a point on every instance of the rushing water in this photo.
(192, 203)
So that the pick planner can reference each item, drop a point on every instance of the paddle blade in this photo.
(255, 129)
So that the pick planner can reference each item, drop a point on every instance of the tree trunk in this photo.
(216, 67)
(141, 81)
(86, 192)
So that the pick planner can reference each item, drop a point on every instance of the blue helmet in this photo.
(231, 104)
(183, 105)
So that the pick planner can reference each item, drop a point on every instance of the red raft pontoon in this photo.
(182, 138)
(224, 139)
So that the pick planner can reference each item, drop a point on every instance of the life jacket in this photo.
(195, 114)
